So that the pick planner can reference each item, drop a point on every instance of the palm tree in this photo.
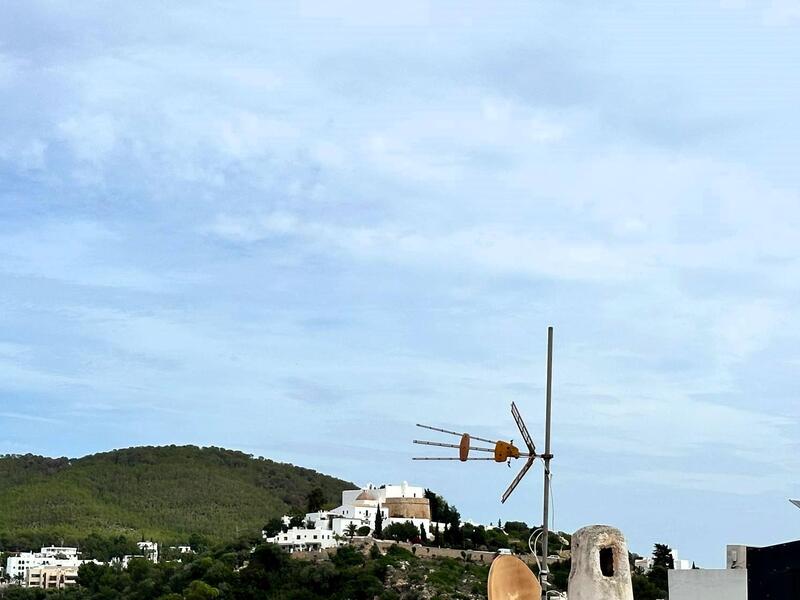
(351, 530)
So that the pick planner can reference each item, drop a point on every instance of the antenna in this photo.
(502, 451)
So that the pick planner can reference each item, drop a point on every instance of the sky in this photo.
(297, 229)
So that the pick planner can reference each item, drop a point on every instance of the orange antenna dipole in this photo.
(501, 451)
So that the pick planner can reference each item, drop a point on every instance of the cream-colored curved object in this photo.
(511, 579)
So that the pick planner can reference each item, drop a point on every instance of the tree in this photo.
(662, 555)
(351, 530)
(437, 536)
(378, 523)
(315, 500)
(273, 527)
(363, 531)
(198, 543)
(200, 590)
(401, 532)
(375, 552)
(644, 589)
(423, 535)
(517, 527)
(662, 562)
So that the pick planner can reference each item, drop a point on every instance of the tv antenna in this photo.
(503, 452)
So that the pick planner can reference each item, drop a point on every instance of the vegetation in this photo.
(106, 502)
(234, 573)
(161, 493)
(653, 584)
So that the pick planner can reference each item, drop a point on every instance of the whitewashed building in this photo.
(300, 539)
(17, 566)
(359, 508)
(149, 551)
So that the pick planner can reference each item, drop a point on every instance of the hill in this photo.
(166, 493)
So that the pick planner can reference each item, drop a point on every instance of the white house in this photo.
(149, 550)
(51, 556)
(300, 539)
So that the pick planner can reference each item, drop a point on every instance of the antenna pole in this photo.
(545, 571)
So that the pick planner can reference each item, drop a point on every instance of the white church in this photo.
(397, 504)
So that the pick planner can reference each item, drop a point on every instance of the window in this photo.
(607, 562)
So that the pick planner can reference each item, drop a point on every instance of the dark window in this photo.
(607, 561)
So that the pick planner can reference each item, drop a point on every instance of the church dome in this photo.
(365, 499)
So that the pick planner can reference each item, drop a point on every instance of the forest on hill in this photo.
(165, 493)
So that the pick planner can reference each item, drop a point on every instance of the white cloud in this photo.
(92, 137)
(746, 327)
(746, 484)
(26, 417)
(782, 12)
(406, 200)
(75, 252)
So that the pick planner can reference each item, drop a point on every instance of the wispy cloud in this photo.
(343, 217)
(27, 417)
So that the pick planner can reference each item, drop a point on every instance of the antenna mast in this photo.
(501, 451)
(545, 571)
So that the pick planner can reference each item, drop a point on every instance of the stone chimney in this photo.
(600, 567)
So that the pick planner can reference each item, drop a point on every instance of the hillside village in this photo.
(368, 518)
(363, 513)
(388, 518)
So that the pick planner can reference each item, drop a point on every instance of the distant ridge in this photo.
(164, 492)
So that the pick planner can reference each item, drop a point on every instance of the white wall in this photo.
(297, 537)
(708, 584)
(16, 566)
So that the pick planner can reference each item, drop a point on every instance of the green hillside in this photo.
(167, 493)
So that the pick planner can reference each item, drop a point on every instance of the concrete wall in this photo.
(365, 544)
(708, 584)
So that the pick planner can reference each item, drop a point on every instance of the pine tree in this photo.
(378, 523)
(437, 536)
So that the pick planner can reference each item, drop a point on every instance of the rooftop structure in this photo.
(752, 572)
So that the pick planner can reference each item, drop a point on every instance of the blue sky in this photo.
(297, 229)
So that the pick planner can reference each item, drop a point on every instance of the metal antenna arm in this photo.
(522, 428)
(518, 478)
